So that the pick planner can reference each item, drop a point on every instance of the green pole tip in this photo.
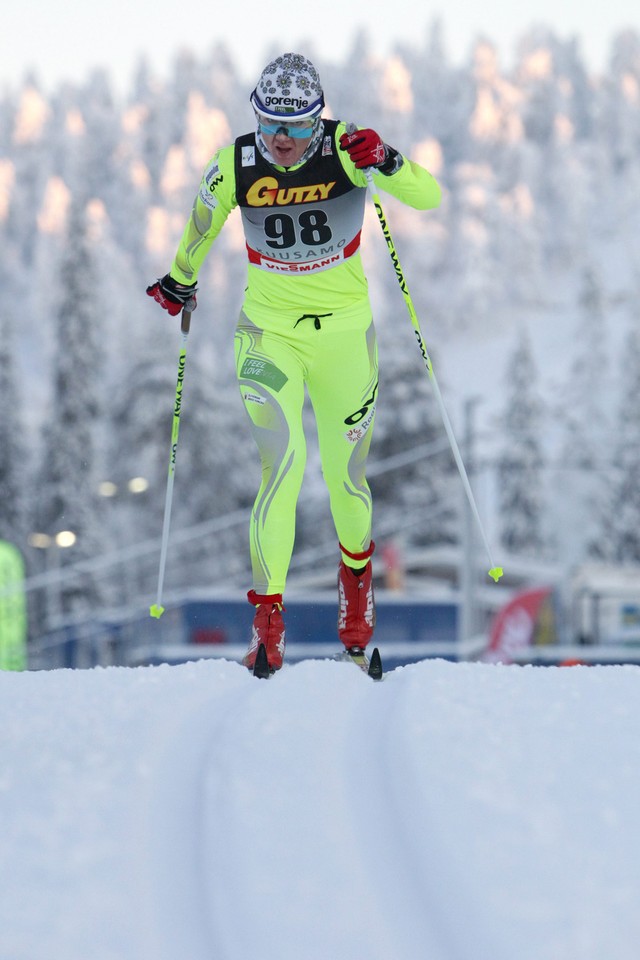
(495, 573)
(156, 610)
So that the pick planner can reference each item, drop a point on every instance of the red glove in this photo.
(365, 148)
(173, 296)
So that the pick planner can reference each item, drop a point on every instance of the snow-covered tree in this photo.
(520, 466)
(472, 262)
(443, 96)
(68, 494)
(619, 540)
(418, 492)
(583, 416)
(13, 450)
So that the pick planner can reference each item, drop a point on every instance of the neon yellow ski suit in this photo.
(306, 321)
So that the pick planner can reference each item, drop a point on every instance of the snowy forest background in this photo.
(526, 282)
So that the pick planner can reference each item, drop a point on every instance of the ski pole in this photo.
(495, 572)
(156, 609)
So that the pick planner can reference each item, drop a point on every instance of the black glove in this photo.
(171, 295)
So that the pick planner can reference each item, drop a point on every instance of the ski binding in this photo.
(371, 666)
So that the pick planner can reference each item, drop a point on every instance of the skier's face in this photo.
(286, 139)
(285, 150)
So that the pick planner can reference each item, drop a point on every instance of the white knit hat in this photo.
(289, 85)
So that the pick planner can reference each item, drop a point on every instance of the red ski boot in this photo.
(357, 614)
(268, 630)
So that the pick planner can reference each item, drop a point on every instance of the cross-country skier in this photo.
(306, 322)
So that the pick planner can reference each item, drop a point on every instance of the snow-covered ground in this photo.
(453, 812)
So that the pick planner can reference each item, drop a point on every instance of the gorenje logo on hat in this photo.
(291, 104)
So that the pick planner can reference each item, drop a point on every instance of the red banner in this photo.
(526, 620)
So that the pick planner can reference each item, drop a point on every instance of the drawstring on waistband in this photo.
(312, 316)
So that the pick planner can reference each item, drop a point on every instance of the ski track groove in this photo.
(395, 854)
(245, 764)
(427, 917)
(171, 823)
(354, 768)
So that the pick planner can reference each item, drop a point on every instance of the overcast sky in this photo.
(65, 39)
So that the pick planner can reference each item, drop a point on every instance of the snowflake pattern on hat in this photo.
(289, 74)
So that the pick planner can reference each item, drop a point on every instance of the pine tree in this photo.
(521, 463)
(586, 427)
(419, 491)
(68, 474)
(620, 539)
(443, 97)
(13, 472)
(474, 269)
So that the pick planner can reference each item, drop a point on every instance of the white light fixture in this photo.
(107, 488)
(40, 540)
(65, 538)
(138, 484)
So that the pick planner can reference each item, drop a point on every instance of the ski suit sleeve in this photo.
(411, 184)
(213, 204)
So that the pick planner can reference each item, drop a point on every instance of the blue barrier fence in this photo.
(408, 630)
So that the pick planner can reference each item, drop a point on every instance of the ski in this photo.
(371, 666)
(261, 665)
